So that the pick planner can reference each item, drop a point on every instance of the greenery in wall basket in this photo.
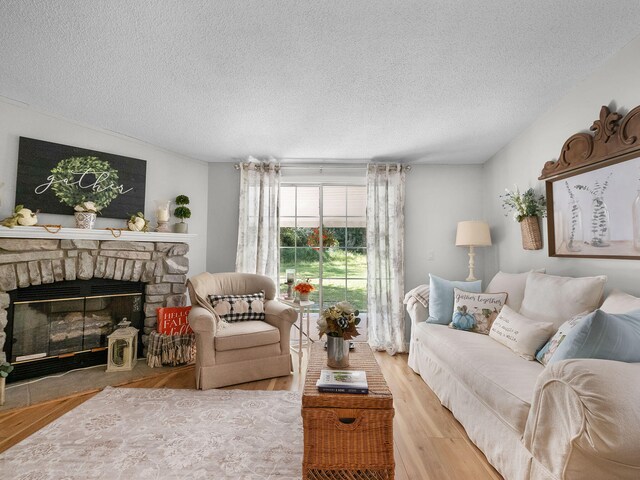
(527, 204)
(70, 190)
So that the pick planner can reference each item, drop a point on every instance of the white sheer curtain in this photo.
(385, 257)
(258, 228)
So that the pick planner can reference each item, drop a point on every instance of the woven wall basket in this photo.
(531, 238)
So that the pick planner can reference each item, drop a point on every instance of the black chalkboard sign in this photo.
(53, 178)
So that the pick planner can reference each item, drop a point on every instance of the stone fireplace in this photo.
(133, 258)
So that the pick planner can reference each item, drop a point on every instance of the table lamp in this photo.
(472, 233)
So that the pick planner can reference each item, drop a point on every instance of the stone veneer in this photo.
(162, 266)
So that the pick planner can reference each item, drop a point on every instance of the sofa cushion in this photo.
(513, 284)
(521, 334)
(239, 308)
(620, 302)
(441, 297)
(476, 312)
(252, 333)
(549, 298)
(498, 377)
(546, 352)
(605, 336)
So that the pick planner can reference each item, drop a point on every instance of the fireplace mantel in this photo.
(66, 233)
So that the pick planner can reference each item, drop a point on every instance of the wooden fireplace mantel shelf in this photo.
(66, 233)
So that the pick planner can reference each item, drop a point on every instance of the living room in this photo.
(465, 99)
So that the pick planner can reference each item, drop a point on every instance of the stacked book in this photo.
(343, 381)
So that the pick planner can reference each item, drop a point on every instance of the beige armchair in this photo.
(231, 353)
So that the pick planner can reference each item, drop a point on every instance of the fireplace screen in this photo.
(60, 327)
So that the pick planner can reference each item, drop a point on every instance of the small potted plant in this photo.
(304, 288)
(86, 213)
(5, 369)
(527, 209)
(182, 212)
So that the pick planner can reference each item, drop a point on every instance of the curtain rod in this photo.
(353, 166)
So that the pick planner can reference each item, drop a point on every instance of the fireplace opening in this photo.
(62, 326)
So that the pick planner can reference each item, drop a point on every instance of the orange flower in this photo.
(304, 287)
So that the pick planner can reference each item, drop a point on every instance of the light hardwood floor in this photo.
(430, 444)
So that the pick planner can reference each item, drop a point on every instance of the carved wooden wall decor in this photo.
(611, 139)
(593, 190)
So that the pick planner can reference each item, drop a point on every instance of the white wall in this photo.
(168, 174)
(224, 202)
(437, 198)
(521, 161)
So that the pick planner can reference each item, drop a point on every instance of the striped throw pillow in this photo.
(239, 308)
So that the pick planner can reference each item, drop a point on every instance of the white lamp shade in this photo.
(473, 233)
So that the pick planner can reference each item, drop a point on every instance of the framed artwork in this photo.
(593, 191)
(53, 178)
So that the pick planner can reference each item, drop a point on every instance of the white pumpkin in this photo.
(26, 217)
(136, 225)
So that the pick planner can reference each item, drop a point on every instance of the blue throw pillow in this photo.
(605, 336)
(441, 297)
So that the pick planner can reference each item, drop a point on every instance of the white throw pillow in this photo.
(549, 298)
(620, 302)
(513, 284)
(519, 333)
(475, 312)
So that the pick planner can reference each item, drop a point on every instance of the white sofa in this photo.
(574, 419)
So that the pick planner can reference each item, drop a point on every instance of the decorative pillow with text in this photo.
(238, 308)
(476, 312)
(519, 333)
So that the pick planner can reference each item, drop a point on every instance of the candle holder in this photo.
(291, 278)
(163, 227)
(162, 215)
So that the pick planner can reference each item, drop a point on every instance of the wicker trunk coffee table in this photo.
(347, 436)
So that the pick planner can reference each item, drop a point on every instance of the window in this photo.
(323, 237)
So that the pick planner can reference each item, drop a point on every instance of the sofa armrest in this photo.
(584, 420)
(414, 299)
(275, 311)
(282, 317)
(203, 323)
(202, 320)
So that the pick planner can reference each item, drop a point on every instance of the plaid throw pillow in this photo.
(239, 308)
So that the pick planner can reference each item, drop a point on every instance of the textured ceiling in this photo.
(419, 81)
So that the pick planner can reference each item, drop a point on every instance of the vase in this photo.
(85, 220)
(636, 222)
(181, 227)
(573, 229)
(600, 227)
(337, 352)
(304, 297)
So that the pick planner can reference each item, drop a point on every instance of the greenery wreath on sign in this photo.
(84, 179)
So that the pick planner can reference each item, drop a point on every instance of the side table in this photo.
(302, 307)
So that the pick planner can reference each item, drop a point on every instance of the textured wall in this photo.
(521, 161)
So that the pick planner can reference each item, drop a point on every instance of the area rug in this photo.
(139, 433)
